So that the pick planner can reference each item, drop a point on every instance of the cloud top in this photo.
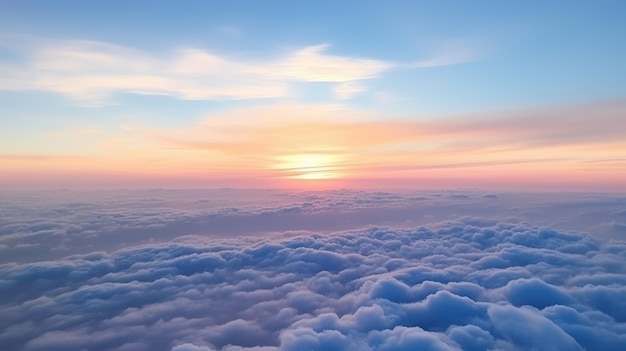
(466, 286)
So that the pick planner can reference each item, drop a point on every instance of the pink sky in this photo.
(566, 147)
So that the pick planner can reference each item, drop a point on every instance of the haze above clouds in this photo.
(53, 224)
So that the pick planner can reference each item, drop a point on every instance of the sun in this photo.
(310, 166)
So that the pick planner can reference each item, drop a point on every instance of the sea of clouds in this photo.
(341, 270)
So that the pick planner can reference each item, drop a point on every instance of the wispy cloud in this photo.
(563, 136)
(35, 157)
(90, 72)
(312, 64)
(347, 90)
(294, 141)
(450, 53)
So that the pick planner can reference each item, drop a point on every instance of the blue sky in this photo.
(77, 77)
(225, 175)
(518, 53)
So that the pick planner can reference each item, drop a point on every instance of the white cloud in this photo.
(313, 65)
(90, 72)
(347, 90)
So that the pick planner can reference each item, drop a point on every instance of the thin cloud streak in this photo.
(461, 142)
(90, 72)
(556, 126)
(254, 142)
(36, 157)
(452, 54)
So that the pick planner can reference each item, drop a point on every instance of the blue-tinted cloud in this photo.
(52, 225)
(468, 285)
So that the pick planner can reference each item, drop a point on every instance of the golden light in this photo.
(310, 166)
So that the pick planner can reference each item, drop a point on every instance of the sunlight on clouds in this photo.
(324, 142)
(313, 65)
(289, 142)
(309, 166)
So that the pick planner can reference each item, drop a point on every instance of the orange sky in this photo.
(332, 146)
(274, 96)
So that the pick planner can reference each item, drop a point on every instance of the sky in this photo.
(313, 95)
(312, 175)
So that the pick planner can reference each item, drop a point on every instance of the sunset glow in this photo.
(237, 104)
(327, 175)
(309, 166)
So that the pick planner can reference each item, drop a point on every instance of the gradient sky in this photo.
(522, 94)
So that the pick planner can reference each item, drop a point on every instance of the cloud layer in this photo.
(469, 285)
(49, 225)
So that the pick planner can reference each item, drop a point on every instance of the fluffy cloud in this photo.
(468, 285)
(52, 225)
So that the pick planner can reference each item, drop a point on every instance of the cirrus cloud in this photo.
(91, 72)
